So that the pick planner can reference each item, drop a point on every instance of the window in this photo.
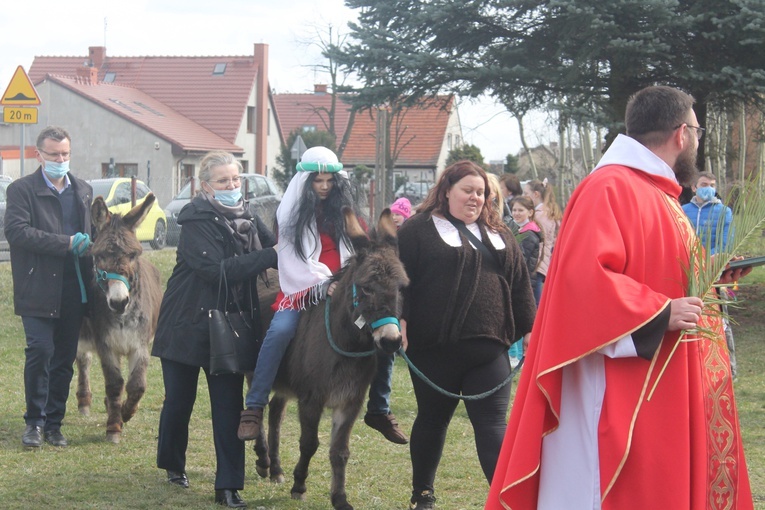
(250, 119)
(109, 77)
(309, 129)
(219, 69)
(119, 170)
(449, 141)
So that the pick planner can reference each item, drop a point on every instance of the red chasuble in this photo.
(622, 254)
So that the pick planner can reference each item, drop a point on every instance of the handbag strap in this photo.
(491, 258)
(223, 281)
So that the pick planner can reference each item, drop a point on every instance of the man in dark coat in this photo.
(47, 224)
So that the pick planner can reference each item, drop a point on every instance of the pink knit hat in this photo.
(403, 207)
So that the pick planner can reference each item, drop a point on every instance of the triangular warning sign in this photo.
(20, 91)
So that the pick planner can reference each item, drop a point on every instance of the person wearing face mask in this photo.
(217, 228)
(710, 218)
(47, 225)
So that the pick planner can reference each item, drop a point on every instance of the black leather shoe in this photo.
(229, 498)
(32, 437)
(55, 438)
(178, 478)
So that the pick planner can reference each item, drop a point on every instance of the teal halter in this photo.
(102, 279)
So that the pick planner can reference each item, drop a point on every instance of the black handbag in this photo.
(234, 343)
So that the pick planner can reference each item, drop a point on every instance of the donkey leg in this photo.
(343, 420)
(138, 361)
(276, 409)
(310, 414)
(110, 364)
(84, 396)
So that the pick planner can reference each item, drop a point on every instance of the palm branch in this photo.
(707, 262)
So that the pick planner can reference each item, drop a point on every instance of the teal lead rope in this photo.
(80, 245)
(454, 395)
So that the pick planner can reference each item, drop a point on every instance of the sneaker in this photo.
(388, 426)
(249, 424)
(423, 501)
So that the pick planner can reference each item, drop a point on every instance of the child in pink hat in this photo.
(400, 211)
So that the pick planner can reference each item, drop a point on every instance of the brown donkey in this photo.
(362, 317)
(126, 295)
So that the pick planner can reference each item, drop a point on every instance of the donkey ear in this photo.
(100, 215)
(137, 214)
(386, 228)
(359, 238)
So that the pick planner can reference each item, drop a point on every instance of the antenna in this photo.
(104, 31)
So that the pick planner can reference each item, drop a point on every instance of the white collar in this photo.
(629, 152)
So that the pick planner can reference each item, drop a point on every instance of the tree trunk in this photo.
(534, 174)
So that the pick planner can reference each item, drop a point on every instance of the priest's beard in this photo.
(685, 166)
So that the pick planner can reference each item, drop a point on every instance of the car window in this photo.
(141, 190)
(2, 193)
(261, 188)
(122, 194)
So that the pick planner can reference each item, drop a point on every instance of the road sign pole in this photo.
(21, 152)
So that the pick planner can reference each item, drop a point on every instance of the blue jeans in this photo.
(379, 391)
(538, 284)
(278, 337)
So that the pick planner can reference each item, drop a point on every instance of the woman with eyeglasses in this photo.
(217, 227)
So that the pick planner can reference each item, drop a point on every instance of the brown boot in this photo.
(249, 424)
(388, 426)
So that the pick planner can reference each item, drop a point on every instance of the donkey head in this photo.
(377, 277)
(116, 250)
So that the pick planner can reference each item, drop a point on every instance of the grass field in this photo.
(92, 473)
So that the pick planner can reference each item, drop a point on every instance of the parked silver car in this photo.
(264, 197)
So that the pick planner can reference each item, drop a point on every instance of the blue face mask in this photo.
(705, 194)
(228, 197)
(56, 170)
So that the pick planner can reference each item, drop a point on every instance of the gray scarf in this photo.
(239, 222)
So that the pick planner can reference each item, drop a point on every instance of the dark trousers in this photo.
(226, 404)
(467, 367)
(50, 353)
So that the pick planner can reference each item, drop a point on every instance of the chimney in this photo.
(97, 56)
(88, 74)
(262, 108)
(320, 89)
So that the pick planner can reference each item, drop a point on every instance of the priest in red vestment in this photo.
(613, 411)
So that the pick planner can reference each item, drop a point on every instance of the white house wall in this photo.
(97, 135)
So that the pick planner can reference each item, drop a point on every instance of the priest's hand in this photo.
(733, 275)
(684, 313)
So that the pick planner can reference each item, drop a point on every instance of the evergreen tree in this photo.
(286, 165)
(466, 151)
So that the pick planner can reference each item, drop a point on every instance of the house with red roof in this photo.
(155, 117)
(420, 136)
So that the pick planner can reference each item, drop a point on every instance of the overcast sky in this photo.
(221, 27)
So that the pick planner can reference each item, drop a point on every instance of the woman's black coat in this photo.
(182, 330)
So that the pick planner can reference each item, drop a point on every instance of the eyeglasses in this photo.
(699, 130)
(224, 182)
(55, 155)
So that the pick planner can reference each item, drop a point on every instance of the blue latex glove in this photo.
(80, 243)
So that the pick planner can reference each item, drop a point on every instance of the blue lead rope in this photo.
(80, 245)
(455, 395)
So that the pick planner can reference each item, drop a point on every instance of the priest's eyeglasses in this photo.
(699, 130)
